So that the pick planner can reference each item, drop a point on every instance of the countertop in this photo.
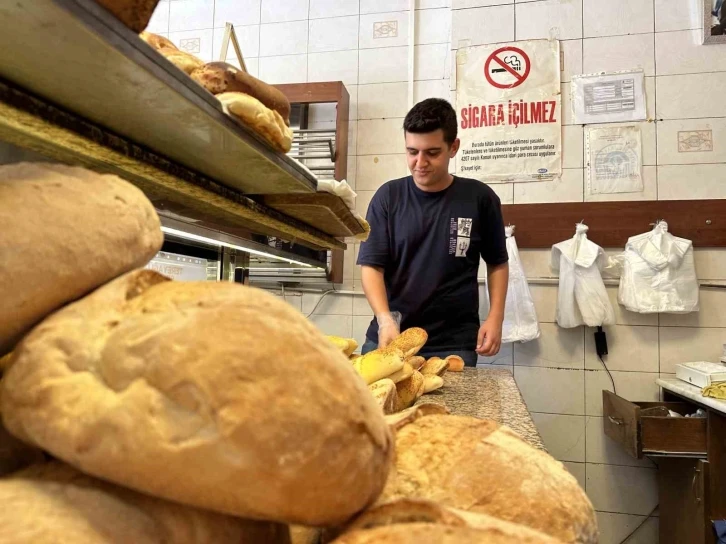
(692, 392)
(487, 394)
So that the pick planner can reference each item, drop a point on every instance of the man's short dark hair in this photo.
(430, 115)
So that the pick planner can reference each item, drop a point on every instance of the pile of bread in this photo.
(211, 413)
(396, 375)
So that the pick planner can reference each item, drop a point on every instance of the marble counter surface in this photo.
(487, 394)
(691, 392)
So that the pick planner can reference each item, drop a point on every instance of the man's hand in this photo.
(490, 338)
(388, 329)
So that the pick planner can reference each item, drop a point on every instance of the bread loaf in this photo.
(135, 14)
(156, 41)
(409, 390)
(220, 77)
(264, 121)
(416, 362)
(384, 391)
(186, 62)
(378, 364)
(404, 417)
(14, 454)
(476, 465)
(405, 373)
(88, 228)
(435, 366)
(456, 363)
(346, 345)
(215, 395)
(54, 503)
(432, 383)
(410, 341)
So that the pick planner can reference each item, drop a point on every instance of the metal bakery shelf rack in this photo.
(79, 87)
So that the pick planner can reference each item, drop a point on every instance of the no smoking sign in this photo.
(507, 67)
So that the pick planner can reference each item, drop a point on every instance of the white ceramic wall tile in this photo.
(353, 138)
(683, 53)
(503, 358)
(572, 146)
(465, 4)
(252, 64)
(650, 86)
(430, 61)
(332, 8)
(692, 182)
(633, 386)
(283, 38)
(711, 314)
(691, 96)
(671, 15)
(334, 325)
(633, 349)
(360, 326)
(237, 12)
(681, 345)
(555, 348)
(331, 304)
(623, 316)
(615, 528)
(334, 66)
(383, 30)
(380, 136)
(249, 42)
(375, 170)
(280, 11)
(571, 51)
(536, 262)
(335, 34)
(197, 42)
(432, 4)
(563, 436)
(578, 470)
(432, 88)
(383, 65)
(617, 17)
(382, 6)
(616, 53)
(692, 141)
(549, 19)
(191, 15)
(478, 26)
(625, 490)
(349, 263)
(284, 69)
(569, 188)
(604, 450)
(433, 26)
(362, 308)
(159, 22)
(550, 390)
(362, 201)
(710, 264)
(380, 100)
(505, 192)
(545, 301)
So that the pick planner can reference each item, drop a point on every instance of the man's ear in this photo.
(453, 150)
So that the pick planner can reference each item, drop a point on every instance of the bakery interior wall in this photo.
(364, 43)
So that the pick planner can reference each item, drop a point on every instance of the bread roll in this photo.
(264, 121)
(156, 41)
(220, 77)
(435, 366)
(378, 364)
(416, 362)
(456, 363)
(186, 62)
(384, 391)
(54, 503)
(410, 341)
(346, 345)
(215, 395)
(405, 373)
(409, 390)
(135, 14)
(476, 465)
(87, 228)
(432, 383)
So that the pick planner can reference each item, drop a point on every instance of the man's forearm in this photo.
(497, 282)
(374, 286)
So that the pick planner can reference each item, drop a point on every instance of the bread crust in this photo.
(264, 121)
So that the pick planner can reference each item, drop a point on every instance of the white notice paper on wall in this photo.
(609, 98)
(614, 160)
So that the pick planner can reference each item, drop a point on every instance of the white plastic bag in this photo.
(582, 298)
(520, 318)
(658, 273)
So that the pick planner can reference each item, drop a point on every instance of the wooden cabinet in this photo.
(683, 489)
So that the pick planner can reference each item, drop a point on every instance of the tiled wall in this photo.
(364, 43)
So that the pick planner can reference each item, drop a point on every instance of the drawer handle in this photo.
(696, 492)
(615, 420)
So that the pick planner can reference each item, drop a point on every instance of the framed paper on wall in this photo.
(714, 21)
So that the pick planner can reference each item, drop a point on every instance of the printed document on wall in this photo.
(614, 160)
(510, 112)
(609, 98)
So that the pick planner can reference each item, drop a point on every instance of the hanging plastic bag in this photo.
(658, 273)
(582, 298)
(520, 318)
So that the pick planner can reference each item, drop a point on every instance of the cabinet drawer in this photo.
(644, 434)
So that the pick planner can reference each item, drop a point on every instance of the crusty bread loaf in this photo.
(384, 391)
(220, 77)
(410, 341)
(416, 362)
(409, 390)
(156, 41)
(346, 345)
(477, 465)
(405, 373)
(15, 454)
(378, 364)
(54, 503)
(432, 383)
(216, 395)
(435, 366)
(135, 14)
(404, 417)
(88, 228)
(186, 62)
(431, 533)
(299, 534)
(264, 121)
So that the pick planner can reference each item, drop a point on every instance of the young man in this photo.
(427, 233)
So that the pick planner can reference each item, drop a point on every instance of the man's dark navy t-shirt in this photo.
(428, 245)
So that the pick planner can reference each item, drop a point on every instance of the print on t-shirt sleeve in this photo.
(375, 251)
(491, 225)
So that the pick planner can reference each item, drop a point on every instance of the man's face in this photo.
(428, 156)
